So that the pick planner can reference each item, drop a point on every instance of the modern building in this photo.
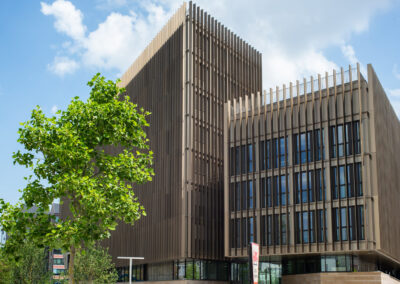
(184, 77)
(308, 171)
(312, 175)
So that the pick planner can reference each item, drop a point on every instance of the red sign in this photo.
(255, 254)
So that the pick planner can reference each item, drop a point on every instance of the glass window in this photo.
(319, 144)
(303, 187)
(348, 138)
(356, 135)
(262, 155)
(340, 140)
(352, 224)
(309, 146)
(276, 230)
(263, 193)
(251, 229)
(282, 147)
(305, 227)
(360, 222)
(251, 199)
(275, 152)
(276, 191)
(268, 154)
(312, 226)
(342, 182)
(249, 158)
(244, 233)
(232, 196)
(263, 231)
(320, 184)
(237, 235)
(358, 181)
(232, 161)
(269, 229)
(269, 192)
(336, 224)
(298, 227)
(333, 141)
(321, 221)
(334, 183)
(284, 229)
(244, 195)
(349, 180)
(343, 220)
(243, 161)
(303, 152)
(237, 160)
(237, 196)
(283, 189)
(310, 186)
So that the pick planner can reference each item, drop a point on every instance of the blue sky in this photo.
(50, 49)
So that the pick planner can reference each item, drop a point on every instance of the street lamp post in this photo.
(130, 264)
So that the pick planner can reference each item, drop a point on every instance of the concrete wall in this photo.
(385, 150)
(375, 277)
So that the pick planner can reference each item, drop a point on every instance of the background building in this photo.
(313, 177)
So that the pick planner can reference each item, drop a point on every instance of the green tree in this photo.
(94, 265)
(29, 267)
(90, 155)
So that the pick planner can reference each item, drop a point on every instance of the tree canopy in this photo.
(90, 156)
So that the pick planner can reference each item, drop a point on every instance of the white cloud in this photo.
(291, 35)
(394, 93)
(394, 97)
(54, 109)
(110, 4)
(68, 18)
(396, 71)
(63, 65)
(350, 55)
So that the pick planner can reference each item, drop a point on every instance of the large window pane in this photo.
(344, 223)
(342, 182)
(251, 199)
(250, 158)
(244, 195)
(340, 140)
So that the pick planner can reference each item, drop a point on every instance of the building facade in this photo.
(308, 171)
(184, 77)
(312, 177)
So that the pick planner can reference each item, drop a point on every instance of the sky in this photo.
(50, 49)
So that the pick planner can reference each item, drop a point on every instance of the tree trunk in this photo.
(71, 269)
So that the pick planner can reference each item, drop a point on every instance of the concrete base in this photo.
(375, 277)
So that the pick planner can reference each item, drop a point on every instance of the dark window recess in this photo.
(232, 190)
(345, 139)
(244, 195)
(340, 224)
(276, 229)
(237, 233)
(308, 146)
(251, 195)
(305, 227)
(244, 233)
(346, 184)
(243, 159)
(250, 229)
(265, 192)
(322, 225)
(303, 187)
(265, 154)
